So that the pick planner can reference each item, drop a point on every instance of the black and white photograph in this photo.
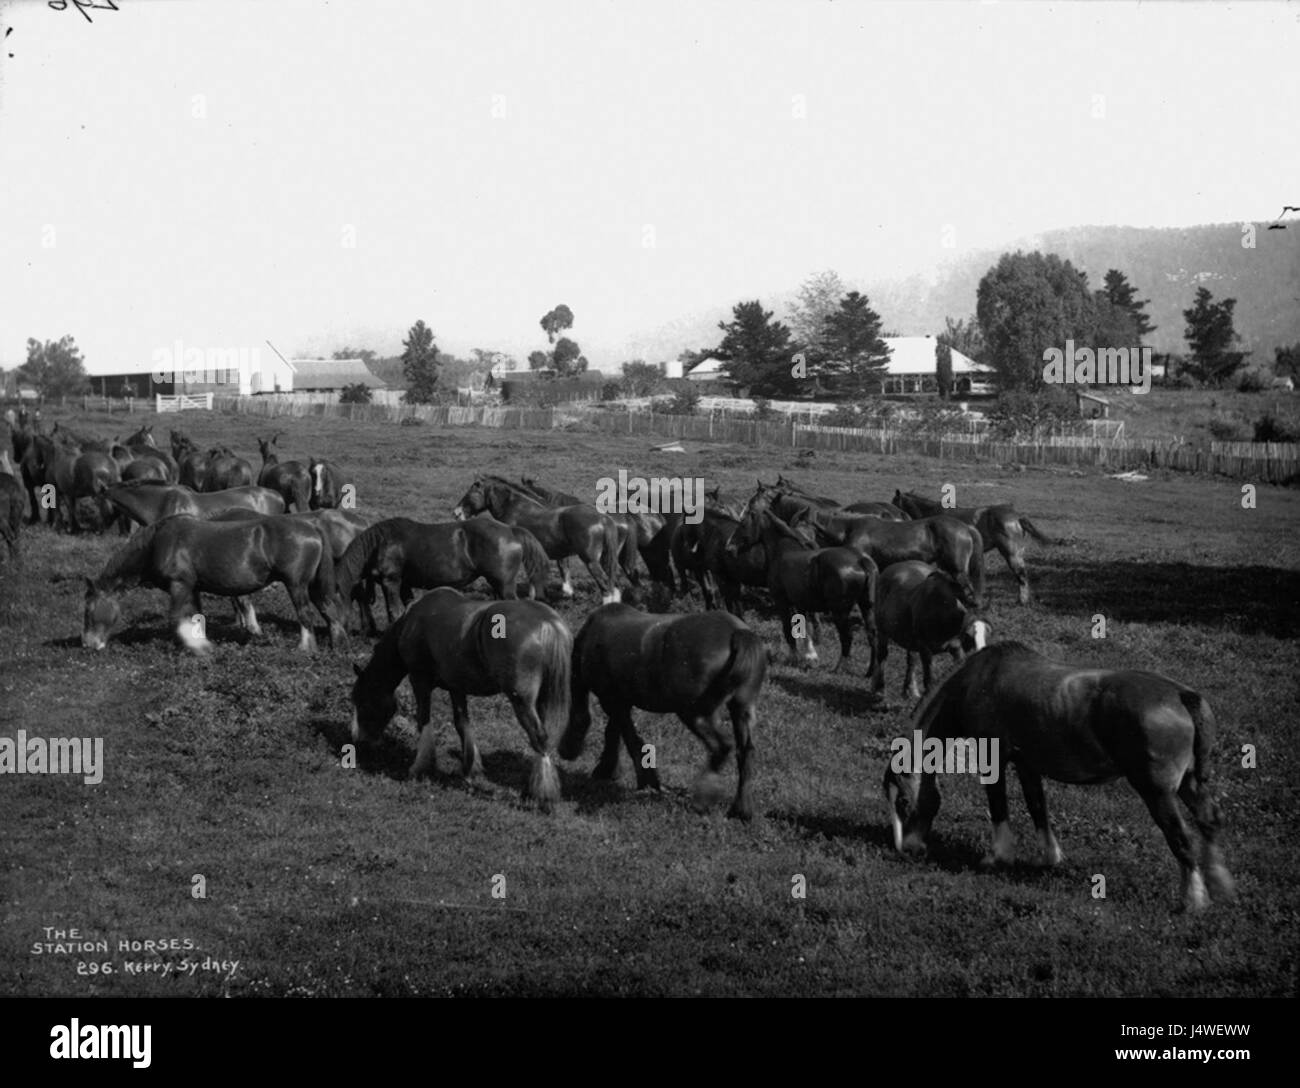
(737, 499)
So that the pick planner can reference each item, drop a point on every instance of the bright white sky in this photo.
(188, 169)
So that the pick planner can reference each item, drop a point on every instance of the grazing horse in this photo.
(11, 506)
(926, 611)
(186, 557)
(226, 469)
(999, 526)
(689, 665)
(520, 649)
(1078, 725)
(288, 478)
(146, 501)
(807, 580)
(949, 544)
(793, 492)
(402, 555)
(579, 530)
(635, 532)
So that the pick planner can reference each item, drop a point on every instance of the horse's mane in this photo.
(362, 549)
(125, 563)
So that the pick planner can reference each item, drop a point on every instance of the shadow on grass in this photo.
(1252, 600)
(846, 697)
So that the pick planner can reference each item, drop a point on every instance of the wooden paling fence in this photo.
(1272, 462)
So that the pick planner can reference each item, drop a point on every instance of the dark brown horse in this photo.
(700, 550)
(327, 485)
(947, 543)
(146, 501)
(149, 460)
(401, 556)
(11, 506)
(790, 491)
(1077, 725)
(579, 530)
(926, 611)
(288, 478)
(191, 462)
(999, 527)
(339, 527)
(226, 469)
(520, 649)
(52, 467)
(806, 581)
(186, 557)
(636, 533)
(93, 473)
(691, 666)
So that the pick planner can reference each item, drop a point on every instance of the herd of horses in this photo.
(910, 571)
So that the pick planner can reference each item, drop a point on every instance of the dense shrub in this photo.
(763, 409)
(685, 402)
(1224, 430)
(1268, 428)
(357, 393)
(1252, 382)
(1021, 414)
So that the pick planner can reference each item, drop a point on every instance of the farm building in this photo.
(707, 370)
(178, 369)
(325, 375)
(1092, 406)
(912, 367)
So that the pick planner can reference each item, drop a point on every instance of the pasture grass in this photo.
(324, 880)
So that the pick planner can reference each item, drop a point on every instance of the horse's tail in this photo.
(361, 553)
(1029, 527)
(627, 558)
(554, 694)
(301, 493)
(977, 566)
(552, 708)
(867, 603)
(575, 735)
(535, 561)
(1203, 739)
(745, 670)
(609, 555)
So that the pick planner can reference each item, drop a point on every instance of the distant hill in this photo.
(1165, 265)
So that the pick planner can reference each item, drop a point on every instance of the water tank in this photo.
(673, 368)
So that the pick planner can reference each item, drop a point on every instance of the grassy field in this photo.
(326, 880)
(1202, 415)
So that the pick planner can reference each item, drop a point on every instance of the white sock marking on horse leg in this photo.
(198, 645)
(896, 825)
(566, 587)
(307, 640)
(979, 631)
(1004, 843)
(1195, 896)
(250, 620)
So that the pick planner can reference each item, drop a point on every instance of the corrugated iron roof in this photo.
(333, 374)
